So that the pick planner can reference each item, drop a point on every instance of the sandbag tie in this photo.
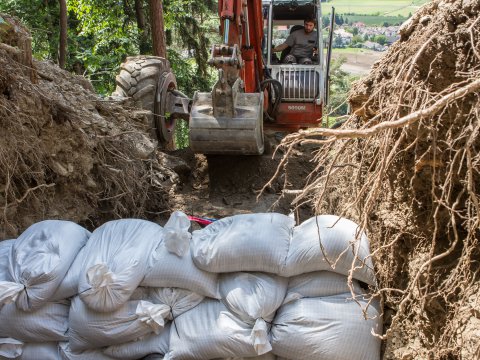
(9, 291)
(259, 336)
(153, 315)
(99, 276)
(176, 235)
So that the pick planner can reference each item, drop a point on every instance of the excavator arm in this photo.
(229, 119)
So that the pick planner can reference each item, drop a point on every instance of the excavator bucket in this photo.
(214, 133)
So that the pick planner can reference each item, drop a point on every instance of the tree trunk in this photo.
(62, 48)
(16, 39)
(142, 31)
(158, 30)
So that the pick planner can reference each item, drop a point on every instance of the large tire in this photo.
(139, 78)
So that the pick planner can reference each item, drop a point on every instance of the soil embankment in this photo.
(405, 166)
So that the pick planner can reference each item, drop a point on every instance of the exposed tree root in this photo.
(406, 166)
(64, 153)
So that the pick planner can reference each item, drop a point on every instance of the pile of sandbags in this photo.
(249, 286)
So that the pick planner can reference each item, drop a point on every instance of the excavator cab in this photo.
(303, 86)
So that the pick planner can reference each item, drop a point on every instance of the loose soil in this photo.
(216, 186)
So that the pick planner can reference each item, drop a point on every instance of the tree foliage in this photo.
(340, 84)
(42, 17)
(101, 34)
(381, 39)
(192, 32)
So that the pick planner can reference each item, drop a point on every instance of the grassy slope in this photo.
(375, 20)
(352, 51)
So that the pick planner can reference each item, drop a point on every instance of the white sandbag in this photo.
(176, 235)
(151, 344)
(69, 285)
(319, 284)
(327, 242)
(29, 351)
(268, 356)
(91, 329)
(254, 298)
(67, 354)
(10, 348)
(154, 357)
(253, 295)
(38, 261)
(5, 278)
(49, 323)
(9, 292)
(5, 247)
(210, 331)
(141, 293)
(116, 263)
(166, 269)
(249, 242)
(330, 328)
(44, 351)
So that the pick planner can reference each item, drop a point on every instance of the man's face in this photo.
(309, 26)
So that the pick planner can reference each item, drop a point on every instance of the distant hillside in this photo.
(374, 7)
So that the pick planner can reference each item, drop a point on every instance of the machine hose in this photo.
(277, 88)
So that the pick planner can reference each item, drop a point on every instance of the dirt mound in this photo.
(406, 165)
(66, 153)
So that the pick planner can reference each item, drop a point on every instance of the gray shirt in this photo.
(302, 44)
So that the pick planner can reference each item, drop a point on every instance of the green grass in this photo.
(347, 52)
(330, 120)
(374, 7)
(351, 51)
(373, 20)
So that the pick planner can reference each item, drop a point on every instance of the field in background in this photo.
(374, 7)
(375, 20)
(351, 51)
(358, 61)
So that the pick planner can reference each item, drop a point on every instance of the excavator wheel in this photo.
(147, 79)
(338, 124)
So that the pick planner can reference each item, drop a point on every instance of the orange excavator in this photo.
(254, 90)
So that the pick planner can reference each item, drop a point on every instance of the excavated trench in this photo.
(67, 153)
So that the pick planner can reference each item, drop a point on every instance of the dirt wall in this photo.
(67, 153)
